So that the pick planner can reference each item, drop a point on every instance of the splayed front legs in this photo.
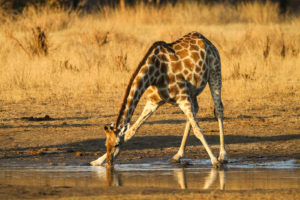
(150, 107)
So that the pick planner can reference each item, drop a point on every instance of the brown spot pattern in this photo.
(194, 48)
(183, 98)
(171, 79)
(197, 79)
(185, 44)
(151, 60)
(164, 93)
(182, 54)
(143, 70)
(181, 85)
(202, 54)
(154, 97)
(177, 47)
(163, 58)
(156, 63)
(161, 81)
(189, 78)
(195, 56)
(163, 50)
(179, 77)
(185, 72)
(176, 67)
(201, 44)
(174, 90)
(163, 68)
(188, 64)
(151, 70)
(173, 57)
(137, 80)
(200, 63)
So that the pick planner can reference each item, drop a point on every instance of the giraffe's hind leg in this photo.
(215, 85)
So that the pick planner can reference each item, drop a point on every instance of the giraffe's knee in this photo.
(218, 110)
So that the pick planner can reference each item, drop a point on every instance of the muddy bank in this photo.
(67, 135)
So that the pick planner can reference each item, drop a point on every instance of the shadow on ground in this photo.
(157, 142)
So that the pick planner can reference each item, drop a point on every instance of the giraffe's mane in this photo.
(154, 45)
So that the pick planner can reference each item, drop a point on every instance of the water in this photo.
(196, 175)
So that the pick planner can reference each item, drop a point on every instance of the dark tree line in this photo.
(87, 5)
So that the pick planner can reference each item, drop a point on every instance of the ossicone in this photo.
(112, 126)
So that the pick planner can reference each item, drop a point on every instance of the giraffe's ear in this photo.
(106, 131)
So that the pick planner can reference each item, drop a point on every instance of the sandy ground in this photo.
(256, 129)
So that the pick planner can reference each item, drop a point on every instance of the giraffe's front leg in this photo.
(149, 108)
(101, 160)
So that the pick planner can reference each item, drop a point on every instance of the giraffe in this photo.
(173, 73)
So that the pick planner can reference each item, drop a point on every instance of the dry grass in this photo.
(94, 53)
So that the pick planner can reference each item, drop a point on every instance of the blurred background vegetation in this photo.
(58, 50)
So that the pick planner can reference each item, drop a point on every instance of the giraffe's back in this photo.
(186, 62)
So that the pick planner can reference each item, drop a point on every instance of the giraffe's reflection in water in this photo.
(175, 178)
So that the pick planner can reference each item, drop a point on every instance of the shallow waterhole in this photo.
(198, 174)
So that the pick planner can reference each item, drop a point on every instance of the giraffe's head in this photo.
(110, 144)
(113, 139)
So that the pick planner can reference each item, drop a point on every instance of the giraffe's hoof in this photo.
(224, 161)
(94, 163)
(175, 161)
(179, 162)
(217, 165)
(223, 157)
(109, 166)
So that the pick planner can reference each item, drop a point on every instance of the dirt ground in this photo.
(71, 132)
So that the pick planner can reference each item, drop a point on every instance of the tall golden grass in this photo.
(92, 53)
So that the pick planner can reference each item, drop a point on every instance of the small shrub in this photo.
(101, 38)
(35, 44)
(267, 48)
(121, 62)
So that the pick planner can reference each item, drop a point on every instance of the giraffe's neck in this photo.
(142, 78)
(133, 94)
